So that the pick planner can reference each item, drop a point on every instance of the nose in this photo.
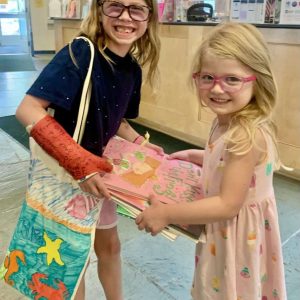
(217, 86)
(125, 14)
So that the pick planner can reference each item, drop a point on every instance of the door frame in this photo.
(24, 40)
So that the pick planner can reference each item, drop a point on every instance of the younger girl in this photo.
(124, 33)
(238, 256)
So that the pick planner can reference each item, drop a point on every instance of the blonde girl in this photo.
(239, 253)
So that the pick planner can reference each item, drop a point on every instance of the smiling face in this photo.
(225, 104)
(123, 31)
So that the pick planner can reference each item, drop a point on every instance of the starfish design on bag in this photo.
(52, 250)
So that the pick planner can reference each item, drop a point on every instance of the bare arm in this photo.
(236, 180)
(192, 155)
(31, 110)
(126, 131)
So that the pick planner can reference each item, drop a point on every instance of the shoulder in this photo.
(264, 145)
(252, 144)
(81, 50)
(80, 44)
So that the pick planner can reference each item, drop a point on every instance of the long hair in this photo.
(145, 50)
(244, 43)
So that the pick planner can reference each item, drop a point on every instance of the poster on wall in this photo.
(270, 11)
(290, 12)
(72, 9)
(54, 9)
(64, 9)
(248, 11)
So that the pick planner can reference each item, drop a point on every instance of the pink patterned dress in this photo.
(240, 258)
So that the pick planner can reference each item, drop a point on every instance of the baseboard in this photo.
(44, 52)
(176, 134)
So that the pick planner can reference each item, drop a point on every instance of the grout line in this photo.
(290, 237)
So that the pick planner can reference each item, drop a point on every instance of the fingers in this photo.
(95, 186)
(174, 155)
(160, 150)
(103, 192)
(143, 226)
(138, 219)
(148, 229)
(156, 148)
(152, 200)
(139, 222)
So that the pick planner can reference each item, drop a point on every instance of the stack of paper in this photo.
(139, 171)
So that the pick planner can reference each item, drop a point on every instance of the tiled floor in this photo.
(153, 268)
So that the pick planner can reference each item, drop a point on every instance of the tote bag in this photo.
(51, 244)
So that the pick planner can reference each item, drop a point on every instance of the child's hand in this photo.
(192, 155)
(95, 186)
(156, 148)
(154, 218)
(182, 155)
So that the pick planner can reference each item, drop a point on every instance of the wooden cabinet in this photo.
(64, 31)
(172, 106)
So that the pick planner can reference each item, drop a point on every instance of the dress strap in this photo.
(212, 130)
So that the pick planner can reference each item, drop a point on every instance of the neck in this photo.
(120, 51)
(223, 120)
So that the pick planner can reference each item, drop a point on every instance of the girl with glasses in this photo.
(124, 33)
(238, 255)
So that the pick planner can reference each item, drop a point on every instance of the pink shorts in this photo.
(108, 215)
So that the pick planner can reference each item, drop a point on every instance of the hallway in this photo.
(153, 268)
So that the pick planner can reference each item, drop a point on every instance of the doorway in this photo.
(15, 30)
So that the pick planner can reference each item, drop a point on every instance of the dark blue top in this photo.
(115, 92)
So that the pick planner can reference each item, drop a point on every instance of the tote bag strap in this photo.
(85, 95)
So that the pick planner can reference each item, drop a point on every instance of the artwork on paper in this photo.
(139, 171)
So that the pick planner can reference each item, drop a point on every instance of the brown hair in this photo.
(145, 50)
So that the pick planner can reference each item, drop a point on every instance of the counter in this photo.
(172, 107)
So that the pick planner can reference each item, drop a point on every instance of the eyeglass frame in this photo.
(218, 79)
(125, 7)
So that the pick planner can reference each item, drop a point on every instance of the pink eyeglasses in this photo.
(228, 83)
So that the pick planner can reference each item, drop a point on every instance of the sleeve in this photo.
(61, 81)
(132, 111)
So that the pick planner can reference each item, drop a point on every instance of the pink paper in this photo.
(140, 171)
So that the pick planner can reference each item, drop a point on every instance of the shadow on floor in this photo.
(16, 63)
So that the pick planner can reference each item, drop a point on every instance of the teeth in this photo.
(219, 100)
(124, 29)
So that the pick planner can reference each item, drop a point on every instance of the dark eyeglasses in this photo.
(228, 83)
(114, 9)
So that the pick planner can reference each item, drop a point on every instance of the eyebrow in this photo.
(131, 3)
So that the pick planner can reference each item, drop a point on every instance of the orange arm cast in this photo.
(53, 138)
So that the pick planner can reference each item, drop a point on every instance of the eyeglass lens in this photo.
(228, 83)
(115, 9)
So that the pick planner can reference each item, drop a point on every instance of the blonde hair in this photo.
(244, 43)
(145, 50)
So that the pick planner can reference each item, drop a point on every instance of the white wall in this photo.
(42, 28)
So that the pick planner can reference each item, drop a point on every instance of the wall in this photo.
(42, 28)
(173, 108)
